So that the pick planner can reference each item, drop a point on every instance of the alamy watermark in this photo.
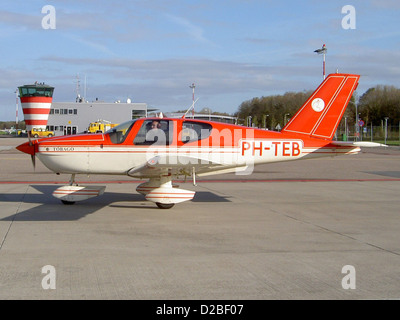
(49, 20)
(349, 280)
(49, 280)
(349, 20)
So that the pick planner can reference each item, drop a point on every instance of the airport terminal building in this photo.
(74, 117)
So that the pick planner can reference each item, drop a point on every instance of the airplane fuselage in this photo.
(231, 146)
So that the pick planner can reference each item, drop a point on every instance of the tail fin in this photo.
(320, 115)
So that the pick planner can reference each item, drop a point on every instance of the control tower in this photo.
(36, 103)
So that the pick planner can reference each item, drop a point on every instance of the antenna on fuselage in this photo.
(191, 107)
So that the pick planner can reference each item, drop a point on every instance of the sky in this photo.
(152, 51)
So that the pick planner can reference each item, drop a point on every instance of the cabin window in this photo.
(194, 131)
(155, 132)
(119, 133)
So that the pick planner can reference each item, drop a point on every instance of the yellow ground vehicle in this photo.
(37, 132)
(100, 126)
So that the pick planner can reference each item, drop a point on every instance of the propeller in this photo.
(29, 148)
(33, 156)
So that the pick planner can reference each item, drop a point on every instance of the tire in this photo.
(35, 136)
(165, 205)
(67, 202)
(50, 135)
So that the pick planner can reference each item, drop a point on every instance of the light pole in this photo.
(192, 87)
(249, 121)
(284, 120)
(357, 128)
(386, 119)
(322, 51)
(265, 117)
(16, 111)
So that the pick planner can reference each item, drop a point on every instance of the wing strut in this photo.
(194, 176)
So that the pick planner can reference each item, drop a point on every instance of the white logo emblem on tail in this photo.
(318, 104)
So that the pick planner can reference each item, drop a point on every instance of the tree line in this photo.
(372, 107)
(11, 124)
(379, 103)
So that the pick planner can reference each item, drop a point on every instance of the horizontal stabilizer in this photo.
(366, 144)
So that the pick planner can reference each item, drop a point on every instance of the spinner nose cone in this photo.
(27, 147)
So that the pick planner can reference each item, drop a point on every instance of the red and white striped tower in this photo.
(36, 103)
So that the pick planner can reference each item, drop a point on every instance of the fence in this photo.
(389, 134)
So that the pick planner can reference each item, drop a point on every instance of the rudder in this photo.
(320, 115)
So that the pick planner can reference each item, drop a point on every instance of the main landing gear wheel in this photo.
(164, 205)
(67, 202)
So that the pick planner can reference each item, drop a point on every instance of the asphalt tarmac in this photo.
(313, 229)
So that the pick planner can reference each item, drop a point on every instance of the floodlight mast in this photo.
(322, 51)
(192, 87)
(16, 109)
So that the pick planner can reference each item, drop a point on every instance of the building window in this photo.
(136, 114)
(75, 111)
(56, 111)
(70, 111)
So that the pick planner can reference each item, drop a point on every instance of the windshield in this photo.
(119, 133)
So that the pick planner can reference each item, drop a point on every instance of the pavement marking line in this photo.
(210, 181)
(338, 233)
(12, 221)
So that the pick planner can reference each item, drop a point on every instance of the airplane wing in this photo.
(160, 165)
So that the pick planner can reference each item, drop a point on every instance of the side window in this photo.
(155, 132)
(193, 131)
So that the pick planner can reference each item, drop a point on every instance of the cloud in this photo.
(223, 84)
(208, 70)
(195, 32)
(386, 4)
(90, 44)
(166, 82)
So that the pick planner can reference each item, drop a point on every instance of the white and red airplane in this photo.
(188, 147)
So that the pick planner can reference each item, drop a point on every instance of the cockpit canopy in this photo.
(160, 132)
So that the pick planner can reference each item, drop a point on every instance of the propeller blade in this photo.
(29, 138)
(33, 158)
(29, 148)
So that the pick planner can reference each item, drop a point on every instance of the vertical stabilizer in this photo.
(320, 115)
